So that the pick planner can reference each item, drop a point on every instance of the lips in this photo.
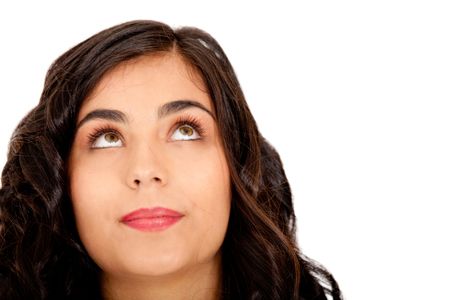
(151, 219)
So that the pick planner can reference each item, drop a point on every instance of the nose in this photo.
(145, 168)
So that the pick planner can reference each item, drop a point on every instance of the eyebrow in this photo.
(163, 111)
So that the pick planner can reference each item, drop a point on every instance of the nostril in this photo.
(138, 182)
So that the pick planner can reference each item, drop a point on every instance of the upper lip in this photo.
(155, 212)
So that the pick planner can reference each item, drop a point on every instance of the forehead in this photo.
(148, 81)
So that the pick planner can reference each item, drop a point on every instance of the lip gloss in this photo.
(151, 219)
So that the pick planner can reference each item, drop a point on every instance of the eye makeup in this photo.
(99, 131)
(186, 119)
(192, 121)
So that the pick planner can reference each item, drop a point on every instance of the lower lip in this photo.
(152, 224)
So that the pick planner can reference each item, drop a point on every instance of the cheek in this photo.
(208, 184)
(206, 177)
(90, 190)
(93, 176)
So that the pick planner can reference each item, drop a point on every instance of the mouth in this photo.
(152, 219)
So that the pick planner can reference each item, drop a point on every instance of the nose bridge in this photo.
(145, 164)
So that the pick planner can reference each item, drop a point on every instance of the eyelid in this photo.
(186, 119)
(101, 130)
(192, 121)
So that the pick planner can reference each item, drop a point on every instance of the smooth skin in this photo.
(146, 162)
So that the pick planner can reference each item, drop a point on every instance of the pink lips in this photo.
(151, 219)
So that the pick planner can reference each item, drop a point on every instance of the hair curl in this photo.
(41, 255)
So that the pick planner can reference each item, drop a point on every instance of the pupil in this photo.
(186, 130)
(110, 137)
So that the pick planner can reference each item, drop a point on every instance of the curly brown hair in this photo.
(41, 255)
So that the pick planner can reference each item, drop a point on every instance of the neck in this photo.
(202, 282)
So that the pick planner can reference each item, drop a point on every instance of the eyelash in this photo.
(192, 121)
(183, 120)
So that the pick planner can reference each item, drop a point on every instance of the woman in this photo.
(141, 174)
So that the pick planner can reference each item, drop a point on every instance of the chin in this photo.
(156, 266)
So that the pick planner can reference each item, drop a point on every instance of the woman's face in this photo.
(136, 148)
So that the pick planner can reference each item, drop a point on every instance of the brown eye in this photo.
(186, 130)
(105, 138)
(111, 137)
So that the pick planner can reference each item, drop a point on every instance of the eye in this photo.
(188, 128)
(105, 138)
(185, 132)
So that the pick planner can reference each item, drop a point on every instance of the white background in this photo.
(353, 94)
